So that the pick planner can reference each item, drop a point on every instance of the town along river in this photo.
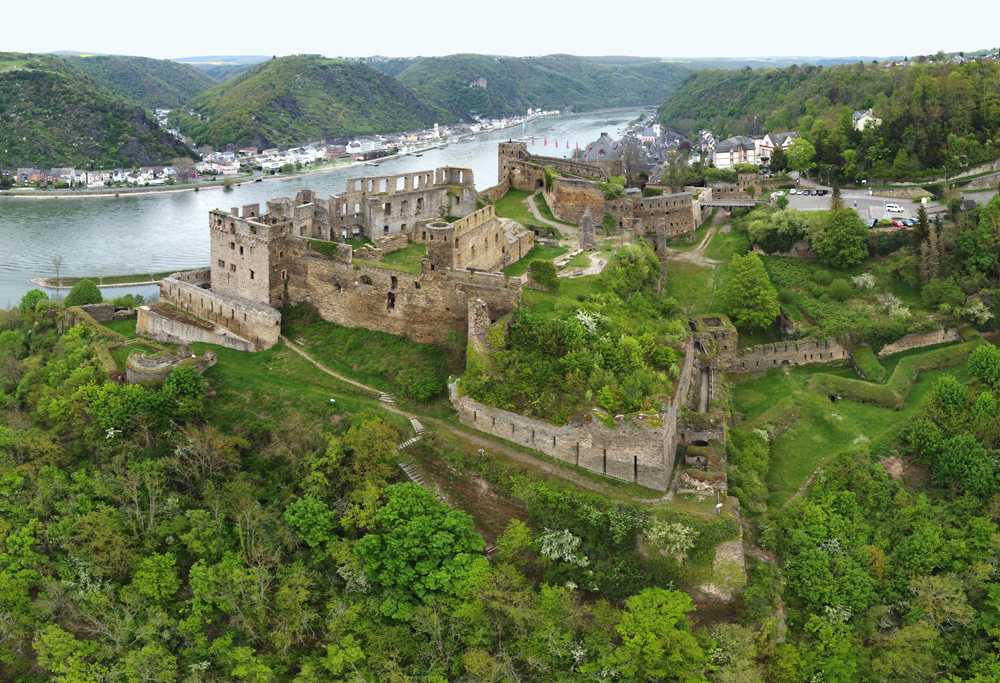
(167, 231)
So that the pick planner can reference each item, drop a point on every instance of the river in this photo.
(165, 231)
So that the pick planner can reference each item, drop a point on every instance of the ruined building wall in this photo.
(799, 352)
(424, 307)
(246, 254)
(571, 197)
(668, 215)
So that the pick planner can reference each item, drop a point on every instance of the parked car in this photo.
(894, 208)
(896, 223)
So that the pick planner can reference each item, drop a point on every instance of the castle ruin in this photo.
(297, 251)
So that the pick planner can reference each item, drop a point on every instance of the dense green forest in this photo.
(151, 83)
(51, 114)
(936, 118)
(462, 85)
(291, 100)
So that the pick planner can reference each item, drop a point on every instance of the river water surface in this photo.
(166, 231)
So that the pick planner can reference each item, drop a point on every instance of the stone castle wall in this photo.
(799, 352)
(641, 451)
(425, 307)
(571, 197)
(919, 340)
(252, 321)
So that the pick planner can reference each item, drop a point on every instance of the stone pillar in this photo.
(587, 240)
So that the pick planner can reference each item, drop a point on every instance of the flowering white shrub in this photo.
(562, 546)
(673, 537)
(864, 281)
(893, 306)
(977, 312)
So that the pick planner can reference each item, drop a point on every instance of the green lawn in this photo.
(581, 260)
(272, 386)
(406, 260)
(539, 252)
(126, 328)
(566, 300)
(693, 286)
(725, 245)
(368, 356)
(514, 205)
(817, 428)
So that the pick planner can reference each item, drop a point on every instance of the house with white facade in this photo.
(863, 119)
(738, 149)
(766, 144)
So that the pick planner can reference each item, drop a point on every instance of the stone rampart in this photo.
(641, 450)
(919, 340)
(257, 323)
(159, 324)
(778, 354)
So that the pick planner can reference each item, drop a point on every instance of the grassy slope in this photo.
(818, 427)
(54, 115)
(290, 100)
(151, 83)
(553, 82)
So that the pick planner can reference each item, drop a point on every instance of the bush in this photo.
(840, 289)
(544, 275)
(942, 291)
(84, 292)
(128, 301)
(420, 383)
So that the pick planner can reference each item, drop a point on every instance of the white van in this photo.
(894, 208)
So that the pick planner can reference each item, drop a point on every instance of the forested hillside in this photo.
(466, 84)
(935, 117)
(151, 83)
(51, 114)
(290, 100)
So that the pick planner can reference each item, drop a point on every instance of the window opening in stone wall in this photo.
(391, 301)
(393, 282)
(251, 275)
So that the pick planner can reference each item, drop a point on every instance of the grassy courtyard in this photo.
(539, 252)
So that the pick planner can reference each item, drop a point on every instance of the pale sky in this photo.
(719, 28)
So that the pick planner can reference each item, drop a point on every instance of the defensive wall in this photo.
(778, 354)
(640, 449)
(234, 321)
(918, 340)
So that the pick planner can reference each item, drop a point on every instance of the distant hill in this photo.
(290, 100)
(151, 83)
(223, 67)
(467, 84)
(933, 114)
(53, 114)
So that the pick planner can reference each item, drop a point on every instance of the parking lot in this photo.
(870, 208)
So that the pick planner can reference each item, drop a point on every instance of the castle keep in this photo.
(295, 251)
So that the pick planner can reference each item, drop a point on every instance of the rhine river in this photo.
(164, 231)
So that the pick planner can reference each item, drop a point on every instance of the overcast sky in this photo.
(661, 28)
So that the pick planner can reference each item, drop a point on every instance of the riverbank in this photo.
(134, 280)
(237, 181)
